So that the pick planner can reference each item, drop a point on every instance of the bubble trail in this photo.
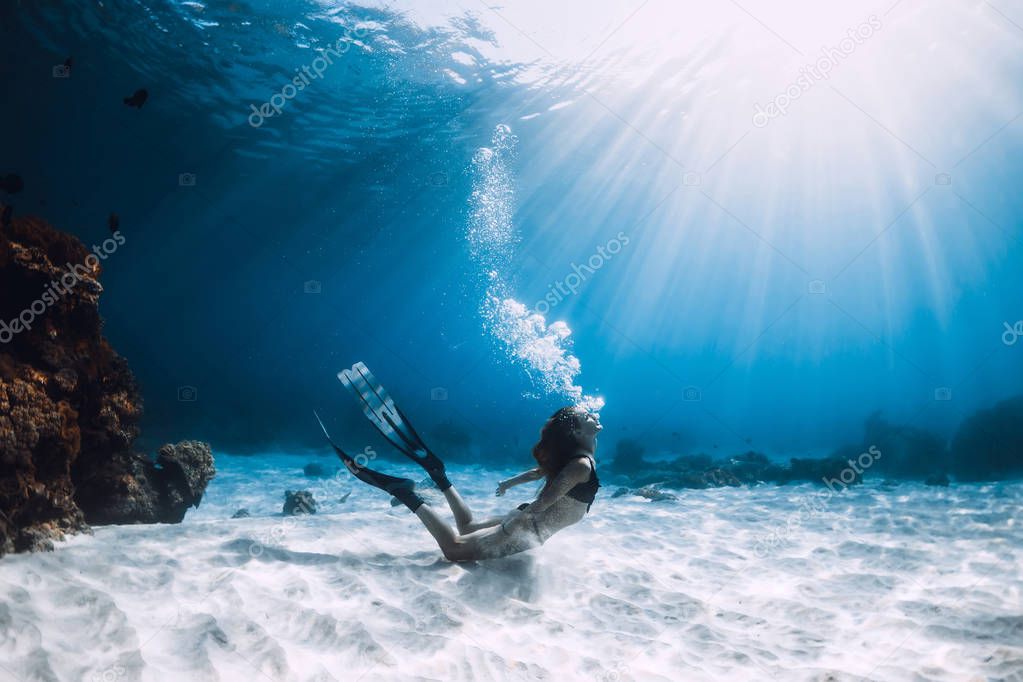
(543, 350)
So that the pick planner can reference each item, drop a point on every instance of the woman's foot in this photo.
(403, 489)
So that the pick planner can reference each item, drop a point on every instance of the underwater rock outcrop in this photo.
(299, 502)
(649, 492)
(129, 487)
(748, 468)
(70, 406)
(628, 458)
(909, 452)
(989, 443)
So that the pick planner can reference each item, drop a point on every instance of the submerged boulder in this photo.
(317, 470)
(299, 502)
(69, 405)
(649, 492)
(132, 488)
(989, 444)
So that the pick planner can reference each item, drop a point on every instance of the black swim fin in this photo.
(391, 422)
(401, 488)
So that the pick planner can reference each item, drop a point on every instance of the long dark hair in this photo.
(559, 440)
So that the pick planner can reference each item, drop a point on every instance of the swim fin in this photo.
(401, 488)
(391, 422)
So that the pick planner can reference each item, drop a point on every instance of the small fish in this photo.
(137, 99)
(6, 214)
(114, 222)
(12, 183)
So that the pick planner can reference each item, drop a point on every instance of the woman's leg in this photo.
(487, 543)
(463, 515)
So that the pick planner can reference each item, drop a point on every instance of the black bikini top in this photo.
(586, 492)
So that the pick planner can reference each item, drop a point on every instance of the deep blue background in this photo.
(362, 185)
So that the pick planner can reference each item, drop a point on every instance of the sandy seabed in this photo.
(878, 583)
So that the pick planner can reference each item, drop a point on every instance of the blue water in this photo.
(894, 183)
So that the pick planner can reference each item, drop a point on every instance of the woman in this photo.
(564, 456)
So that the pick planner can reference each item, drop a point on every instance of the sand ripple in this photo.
(909, 583)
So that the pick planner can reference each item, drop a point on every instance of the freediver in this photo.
(564, 457)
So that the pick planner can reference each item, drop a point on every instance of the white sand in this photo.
(912, 583)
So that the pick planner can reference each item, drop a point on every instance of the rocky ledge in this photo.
(69, 405)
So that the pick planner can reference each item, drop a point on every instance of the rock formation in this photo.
(69, 405)
(298, 502)
(989, 444)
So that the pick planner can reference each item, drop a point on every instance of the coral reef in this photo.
(69, 405)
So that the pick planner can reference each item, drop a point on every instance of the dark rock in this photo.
(317, 470)
(906, 451)
(649, 492)
(750, 468)
(299, 502)
(69, 405)
(834, 472)
(989, 444)
(241, 514)
(628, 458)
(132, 488)
(937, 480)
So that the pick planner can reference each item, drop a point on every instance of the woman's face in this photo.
(589, 427)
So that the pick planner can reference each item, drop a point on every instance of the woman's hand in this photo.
(502, 488)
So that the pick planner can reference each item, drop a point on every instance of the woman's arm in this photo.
(575, 472)
(525, 477)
